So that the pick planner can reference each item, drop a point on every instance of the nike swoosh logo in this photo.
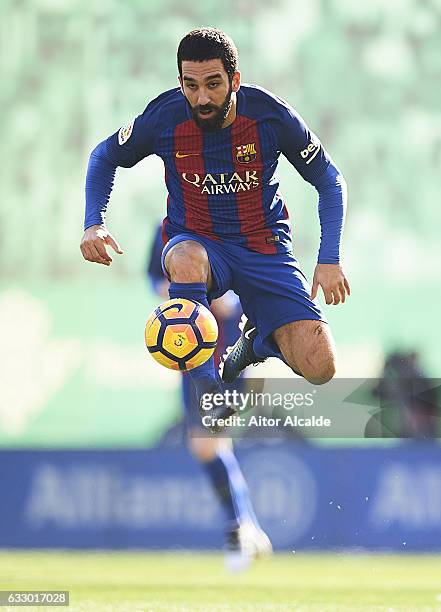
(181, 155)
(177, 307)
(248, 332)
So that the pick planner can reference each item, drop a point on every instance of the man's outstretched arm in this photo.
(304, 151)
(99, 183)
(126, 148)
(329, 274)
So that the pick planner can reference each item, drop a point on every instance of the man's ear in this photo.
(180, 83)
(235, 82)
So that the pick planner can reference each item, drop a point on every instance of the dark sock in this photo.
(204, 377)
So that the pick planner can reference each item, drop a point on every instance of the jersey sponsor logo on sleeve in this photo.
(245, 154)
(311, 150)
(125, 132)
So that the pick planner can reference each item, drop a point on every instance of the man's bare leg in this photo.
(308, 348)
(189, 271)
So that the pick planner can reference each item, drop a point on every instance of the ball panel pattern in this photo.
(202, 356)
(179, 340)
(152, 330)
(207, 325)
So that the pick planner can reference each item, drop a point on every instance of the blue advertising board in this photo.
(305, 497)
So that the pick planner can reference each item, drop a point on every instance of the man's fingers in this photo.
(97, 258)
(333, 282)
(95, 252)
(336, 297)
(342, 291)
(328, 295)
(114, 244)
(93, 245)
(100, 247)
(86, 252)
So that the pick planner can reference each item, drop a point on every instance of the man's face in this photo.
(208, 90)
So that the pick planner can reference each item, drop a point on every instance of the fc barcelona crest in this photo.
(246, 153)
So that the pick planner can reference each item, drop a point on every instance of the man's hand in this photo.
(93, 245)
(333, 282)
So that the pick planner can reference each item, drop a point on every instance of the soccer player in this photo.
(244, 538)
(227, 226)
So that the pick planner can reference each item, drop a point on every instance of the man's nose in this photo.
(203, 98)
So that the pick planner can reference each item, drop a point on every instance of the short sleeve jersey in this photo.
(223, 184)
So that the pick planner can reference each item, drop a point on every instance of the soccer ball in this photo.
(181, 334)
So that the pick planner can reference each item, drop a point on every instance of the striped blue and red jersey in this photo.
(223, 184)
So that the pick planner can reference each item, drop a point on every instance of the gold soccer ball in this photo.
(181, 334)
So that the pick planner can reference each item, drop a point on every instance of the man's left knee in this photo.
(308, 348)
(321, 373)
(318, 367)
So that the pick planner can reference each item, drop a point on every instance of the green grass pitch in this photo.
(135, 581)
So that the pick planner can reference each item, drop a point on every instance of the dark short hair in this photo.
(206, 44)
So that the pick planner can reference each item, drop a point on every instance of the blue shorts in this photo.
(272, 289)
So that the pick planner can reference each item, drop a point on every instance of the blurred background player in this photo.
(245, 540)
(408, 398)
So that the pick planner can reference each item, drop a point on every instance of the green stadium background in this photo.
(365, 76)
